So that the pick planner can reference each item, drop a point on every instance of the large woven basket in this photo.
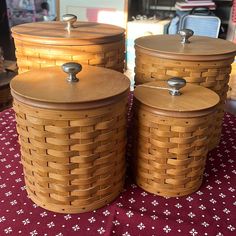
(73, 154)
(44, 44)
(171, 139)
(204, 61)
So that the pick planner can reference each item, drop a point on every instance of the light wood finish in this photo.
(44, 44)
(170, 149)
(193, 98)
(55, 33)
(204, 61)
(200, 48)
(73, 158)
(50, 85)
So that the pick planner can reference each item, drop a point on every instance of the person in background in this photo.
(45, 8)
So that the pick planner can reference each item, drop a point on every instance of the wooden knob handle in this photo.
(72, 68)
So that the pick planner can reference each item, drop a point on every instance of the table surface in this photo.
(209, 211)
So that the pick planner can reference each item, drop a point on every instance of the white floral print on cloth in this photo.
(209, 211)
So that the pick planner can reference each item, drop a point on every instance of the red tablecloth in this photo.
(209, 211)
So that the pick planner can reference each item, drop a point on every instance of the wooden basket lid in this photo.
(49, 88)
(55, 33)
(194, 98)
(199, 48)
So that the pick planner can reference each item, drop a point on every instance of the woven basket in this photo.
(72, 135)
(31, 56)
(88, 43)
(74, 161)
(211, 71)
(170, 152)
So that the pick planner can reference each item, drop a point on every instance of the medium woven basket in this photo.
(170, 152)
(209, 71)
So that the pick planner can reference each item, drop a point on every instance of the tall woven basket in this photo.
(204, 61)
(44, 44)
(72, 149)
(171, 138)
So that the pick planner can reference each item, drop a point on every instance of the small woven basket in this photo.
(170, 147)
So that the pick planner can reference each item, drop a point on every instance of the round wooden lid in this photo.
(200, 47)
(50, 86)
(193, 97)
(55, 33)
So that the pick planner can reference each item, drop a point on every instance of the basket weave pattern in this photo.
(31, 56)
(74, 161)
(211, 74)
(170, 152)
